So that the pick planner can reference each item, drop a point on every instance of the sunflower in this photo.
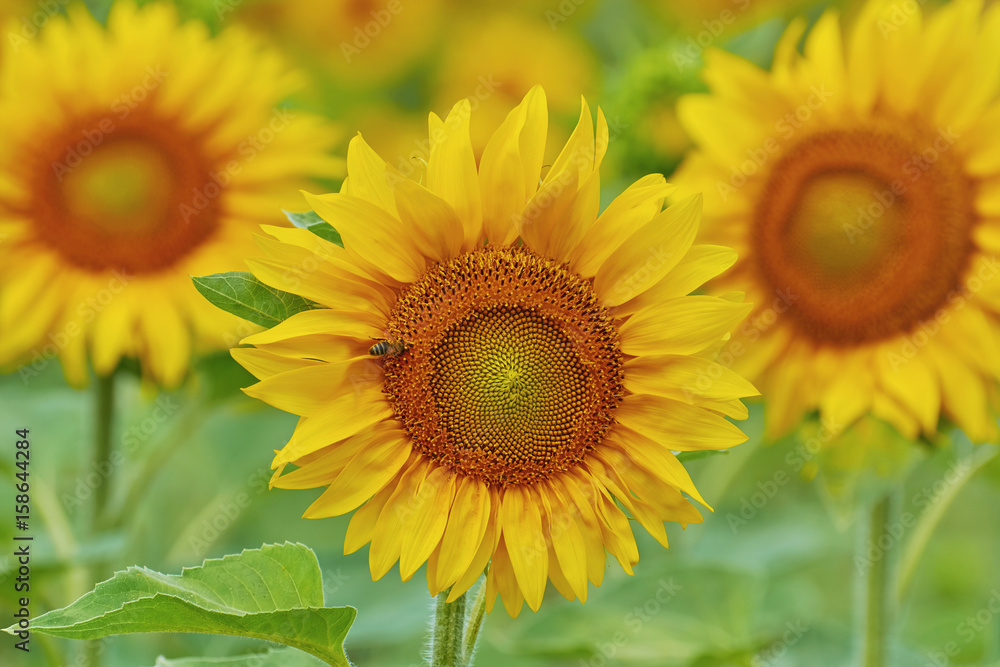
(481, 64)
(859, 183)
(135, 156)
(360, 43)
(536, 365)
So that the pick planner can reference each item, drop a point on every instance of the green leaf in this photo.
(285, 657)
(684, 457)
(241, 294)
(273, 593)
(315, 224)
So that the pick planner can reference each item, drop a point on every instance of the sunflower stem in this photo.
(932, 516)
(876, 565)
(449, 624)
(102, 444)
(473, 625)
(104, 414)
(156, 459)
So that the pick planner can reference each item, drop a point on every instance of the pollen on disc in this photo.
(511, 369)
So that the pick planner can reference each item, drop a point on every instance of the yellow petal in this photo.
(569, 233)
(368, 175)
(656, 458)
(370, 470)
(624, 215)
(465, 532)
(424, 528)
(114, 329)
(699, 265)
(849, 396)
(313, 256)
(554, 218)
(786, 405)
(321, 289)
(387, 540)
(824, 55)
(681, 326)
(684, 378)
(676, 425)
(337, 261)
(963, 394)
(888, 409)
(73, 354)
(649, 254)
(504, 581)
(486, 549)
(339, 419)
(567, 489)
(521, 522)
(309, 322)
(604, 473)
(531, 142)
(263, 364)
(911, 381)
(568, 230)
(576, 159)
(721, 130)
(543, 222)
(436, 227)
(451, 169)
(362, 526)
(372, 235)
(617, 533)
(323, 467)
(510, 167)
(969, 334)
(863, 60)
(168, 341)
(567, 541)
(305, 391)
(558, 579)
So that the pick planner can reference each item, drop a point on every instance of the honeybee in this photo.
(387, 348)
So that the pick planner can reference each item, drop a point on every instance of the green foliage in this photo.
(273, 593)
(684, 457)
(241, 294)
(274, 658)
(310, 220)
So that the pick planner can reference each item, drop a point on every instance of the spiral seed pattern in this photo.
(511, 369)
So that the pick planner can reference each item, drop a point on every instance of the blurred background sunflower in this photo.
(765, 579)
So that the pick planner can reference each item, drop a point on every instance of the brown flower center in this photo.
(511, 369)
(133, 194)
(865, 231)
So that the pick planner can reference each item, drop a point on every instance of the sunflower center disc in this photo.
(133, 195)
(866, 231)
(511, 370)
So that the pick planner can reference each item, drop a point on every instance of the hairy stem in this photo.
(474, 625)
(449, 624)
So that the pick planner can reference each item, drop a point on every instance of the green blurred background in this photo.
(766, 581)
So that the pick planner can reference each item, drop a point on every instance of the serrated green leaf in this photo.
(310, 220)
(286, 657)
(273, 593)
(241, 294)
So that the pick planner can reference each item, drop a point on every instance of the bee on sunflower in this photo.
(545, 367)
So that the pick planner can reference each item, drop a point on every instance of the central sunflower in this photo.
(512, 369)
(497, 374)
